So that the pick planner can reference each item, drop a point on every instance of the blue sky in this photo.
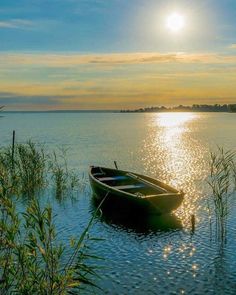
(91, 33)
(113, 25)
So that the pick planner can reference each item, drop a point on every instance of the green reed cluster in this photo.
(32, 260)
(65, 180)
(25, 167)
(222, 182)
(31, 170)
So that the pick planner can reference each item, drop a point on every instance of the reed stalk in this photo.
(31, 170)
(233, 167)
(64, 180)
(32, 260)
(220, 181)
(30, 166)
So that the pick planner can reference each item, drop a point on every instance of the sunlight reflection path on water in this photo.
(176, 157)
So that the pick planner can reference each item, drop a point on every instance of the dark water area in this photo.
(152, 254)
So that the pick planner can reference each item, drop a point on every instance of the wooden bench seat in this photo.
(129, 186)
(112, 178)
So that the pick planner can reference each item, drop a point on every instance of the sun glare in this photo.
(175, 22)
(174, 120)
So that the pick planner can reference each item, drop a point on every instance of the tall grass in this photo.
(27, 170)
(64, 180)
(221, 180)
(32, 169)
(233, 167)
(32, 260)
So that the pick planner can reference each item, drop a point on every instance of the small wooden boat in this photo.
(124, 189)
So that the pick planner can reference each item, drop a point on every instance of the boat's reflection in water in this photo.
(135, 221)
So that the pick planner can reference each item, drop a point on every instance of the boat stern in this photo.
(165, 203)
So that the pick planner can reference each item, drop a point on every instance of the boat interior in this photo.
(127, 182)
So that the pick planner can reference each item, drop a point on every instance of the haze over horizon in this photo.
(97, 54)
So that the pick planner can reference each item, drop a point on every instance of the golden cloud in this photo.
(40, 79)
(72, 59)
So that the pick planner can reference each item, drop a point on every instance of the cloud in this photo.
(16, 24)
(115, 80)
(8, 98)
(112, 59)
(232, 46)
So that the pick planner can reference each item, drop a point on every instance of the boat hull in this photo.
(128, 203)
(115, 199)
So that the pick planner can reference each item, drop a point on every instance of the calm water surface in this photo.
(142, 256)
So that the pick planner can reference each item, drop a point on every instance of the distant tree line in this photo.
(182, 108)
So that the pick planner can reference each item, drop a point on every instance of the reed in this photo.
(31, 170)
(233, 167)
(30, 167)
(32, 260)
(27, 170)
(64, 180)
(220, 180)
(9, 226)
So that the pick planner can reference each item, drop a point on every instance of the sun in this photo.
(175, 22)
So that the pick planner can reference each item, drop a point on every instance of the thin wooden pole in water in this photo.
(13, 147)
(116, 165)
(193, 221)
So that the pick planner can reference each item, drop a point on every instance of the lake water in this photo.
(142, 257)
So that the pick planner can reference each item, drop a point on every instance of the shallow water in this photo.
(158, 255)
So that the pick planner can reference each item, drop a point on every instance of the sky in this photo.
(116, 54)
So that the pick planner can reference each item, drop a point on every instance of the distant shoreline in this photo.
(217, 108)
(107, 112)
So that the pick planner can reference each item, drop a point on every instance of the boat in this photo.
(132, 191)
